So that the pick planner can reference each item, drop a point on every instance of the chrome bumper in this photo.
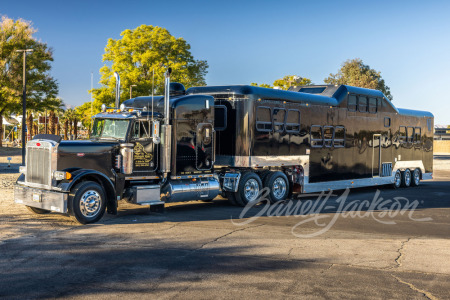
(43, 199)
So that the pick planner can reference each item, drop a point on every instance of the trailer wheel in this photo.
(406, 178)
(87, 202)
(278, 184)
(38, 211)
(415, 177)
(249, 188)
(397, 180)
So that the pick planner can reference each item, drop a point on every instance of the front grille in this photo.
(386, 169)
(38, 164)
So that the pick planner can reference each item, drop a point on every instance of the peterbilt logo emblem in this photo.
(80, 154)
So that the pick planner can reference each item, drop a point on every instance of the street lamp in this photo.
(131, 89)
(24, 100)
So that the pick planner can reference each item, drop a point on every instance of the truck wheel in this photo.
(415, 177)
(249, 188)
(87, 202)
(397, 180)
(406, 178)
(38, 211)
(278, 185)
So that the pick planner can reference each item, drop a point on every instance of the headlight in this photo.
(60, 175)
(22, 169)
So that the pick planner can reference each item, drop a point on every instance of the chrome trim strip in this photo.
(141, 177)
(261, 161)
(192, 176)
(343, 184)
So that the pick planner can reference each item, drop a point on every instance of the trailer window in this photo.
(339, 137)
(387, 122)
(316, 136)
(263, 119)
(220, 117)
(328, 132)
(373, 105)
(362, 104)
(402, 134)
(429, 124)
(351, 103)
(279, 115)
(410, 131)
(293, 121)
(417, 135)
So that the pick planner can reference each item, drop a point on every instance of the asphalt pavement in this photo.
(373, 243)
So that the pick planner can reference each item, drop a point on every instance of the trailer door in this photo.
(204, 147)
(376, 155)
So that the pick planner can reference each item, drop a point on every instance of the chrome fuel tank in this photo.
(188, 189)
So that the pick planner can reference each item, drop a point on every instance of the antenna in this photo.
(92, 86)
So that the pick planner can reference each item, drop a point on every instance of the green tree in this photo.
(41, 87)
(264, 85)
(355, 73)
(137, 54)
(291, 80)
(286, 82)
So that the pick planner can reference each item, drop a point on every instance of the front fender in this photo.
(96, 176)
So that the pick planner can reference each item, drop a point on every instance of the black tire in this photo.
(87, 190)
(38, 211)
(397, 180)
(249, 188)
(278, 184)
(415, 179)
(263, 175)
(406, 178)
(232, 198)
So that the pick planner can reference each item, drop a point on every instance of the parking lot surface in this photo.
(393, 245)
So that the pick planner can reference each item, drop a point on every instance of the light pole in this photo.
(131, 89)
(24, 100)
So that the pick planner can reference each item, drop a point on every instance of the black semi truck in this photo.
(231, 140)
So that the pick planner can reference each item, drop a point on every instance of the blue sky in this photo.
(260, 41)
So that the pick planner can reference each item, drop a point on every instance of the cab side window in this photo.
(141, 130)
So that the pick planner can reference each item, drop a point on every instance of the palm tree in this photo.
(69, 116)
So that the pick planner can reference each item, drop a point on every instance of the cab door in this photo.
(145, 152)
(204, 149)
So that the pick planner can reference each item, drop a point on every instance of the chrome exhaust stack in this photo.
(166, 129)
(116, 75)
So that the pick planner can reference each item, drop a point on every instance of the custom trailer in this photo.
(228, 140)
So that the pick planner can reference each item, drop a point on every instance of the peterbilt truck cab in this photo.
(148, 151)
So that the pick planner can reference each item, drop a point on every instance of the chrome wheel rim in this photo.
(90, 203)
(279, 188)
(407, 177)
(251, 190)
(398, 179)
(416, 177)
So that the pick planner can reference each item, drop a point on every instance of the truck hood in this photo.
(86, 154)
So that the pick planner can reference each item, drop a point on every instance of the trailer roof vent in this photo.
(176, 89)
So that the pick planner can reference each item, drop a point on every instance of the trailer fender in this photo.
(93, 175)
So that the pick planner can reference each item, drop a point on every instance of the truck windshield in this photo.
(109, 128)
